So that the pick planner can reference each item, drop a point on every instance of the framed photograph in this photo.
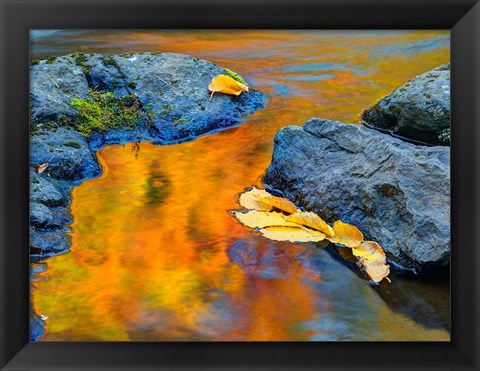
(228, 185)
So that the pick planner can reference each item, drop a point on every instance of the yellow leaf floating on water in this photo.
(261, 219)
(278, 203)
(225, 84)
(312, 220)
(369, 250)
(292, 234)
(293, 225)
(250, 199)
(372, 259)
(346, 234)
(376, 269)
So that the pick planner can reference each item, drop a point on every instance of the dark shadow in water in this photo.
(426, 300)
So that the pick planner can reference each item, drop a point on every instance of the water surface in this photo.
(154, 254)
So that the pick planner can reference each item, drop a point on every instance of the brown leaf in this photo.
(40, 168)
(312, 220)
(225, 84)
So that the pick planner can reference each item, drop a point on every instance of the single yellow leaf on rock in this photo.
(369, 250)
(312, 220)
(292, 234)
(261, 219)
(277, 202)
(225, 84)
(376, 269)
(250, 199)
(346, 234)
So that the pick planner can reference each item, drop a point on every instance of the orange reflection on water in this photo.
(155, 256)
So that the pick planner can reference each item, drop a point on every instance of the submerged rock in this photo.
(40, 215)
(396, 193)
(47, 243)
(418, 110)
(36, 328)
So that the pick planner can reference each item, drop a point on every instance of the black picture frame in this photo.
(18, 17)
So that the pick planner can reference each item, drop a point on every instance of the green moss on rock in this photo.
(104, 111)
(72, 144)
(236, 76)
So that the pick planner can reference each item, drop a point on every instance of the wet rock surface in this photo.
(47, 191)
(172, 87)
(67, 152)
(418, 110)
(175, 86)
(397, 193)
(46, 243)
(40, 215)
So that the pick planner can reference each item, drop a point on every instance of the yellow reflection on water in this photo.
(154, 254)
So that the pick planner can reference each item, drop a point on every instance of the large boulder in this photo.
(417, 111)
(397, 193)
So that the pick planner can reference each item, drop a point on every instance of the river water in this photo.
(154, 254)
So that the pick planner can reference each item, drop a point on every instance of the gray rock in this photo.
(40, 215)
(175, 87)
(61, 216)
(68, 153)
(418, 110)
(171, 87)
(103, 74)
(397, 193)
(44, 244)
(46, 191)
(53, 84)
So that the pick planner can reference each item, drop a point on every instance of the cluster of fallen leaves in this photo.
(278, 219)
(227, 85)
